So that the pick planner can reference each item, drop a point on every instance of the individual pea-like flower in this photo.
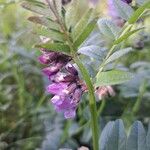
(66, 87)
(54, 60)
(104, 91)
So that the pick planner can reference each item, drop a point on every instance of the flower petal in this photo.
(57, 88)
(70, 114)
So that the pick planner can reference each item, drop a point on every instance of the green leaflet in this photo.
(112, 77)
(41, 10)
(45, 22)
(71, 16)
(58, 47)
(108, 28)
(116, 55)
(136, 15)
(81, 24)
(148, 137)
(91, 51)
(52, 34)
(57, 4)
(113, 135)
(137, 137)
(124, 10)
(125, 36)
(85, 33)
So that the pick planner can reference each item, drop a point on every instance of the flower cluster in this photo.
(66, 87)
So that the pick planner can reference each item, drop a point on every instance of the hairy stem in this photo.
(92, 103)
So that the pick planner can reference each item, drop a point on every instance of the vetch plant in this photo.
(78, 40)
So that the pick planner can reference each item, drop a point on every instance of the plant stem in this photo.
(65, 134)
(92, 103)
(101, 108)
(139, 99)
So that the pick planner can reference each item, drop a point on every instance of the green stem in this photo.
(101, 108)
(65, 134)
(137, 105)
(92, 103)
(40, 102)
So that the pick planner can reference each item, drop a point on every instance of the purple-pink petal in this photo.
(77, 95)
(69, 114)
(43, 59)
(57, 88)
(50, 70)
(64, 105)
(56, 100)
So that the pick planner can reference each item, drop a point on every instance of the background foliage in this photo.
(27, 120)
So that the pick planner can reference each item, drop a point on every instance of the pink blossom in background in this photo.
(104, 91)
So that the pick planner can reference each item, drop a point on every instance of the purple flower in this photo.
(47, 57)
(57, 88)
(70, 113)
(66, 87)
(49, 71)
(64, 104)
(77, 95)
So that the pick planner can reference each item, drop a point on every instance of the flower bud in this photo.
(104, 91)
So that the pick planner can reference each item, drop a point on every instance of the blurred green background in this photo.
(27, 121)
(22, 106)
